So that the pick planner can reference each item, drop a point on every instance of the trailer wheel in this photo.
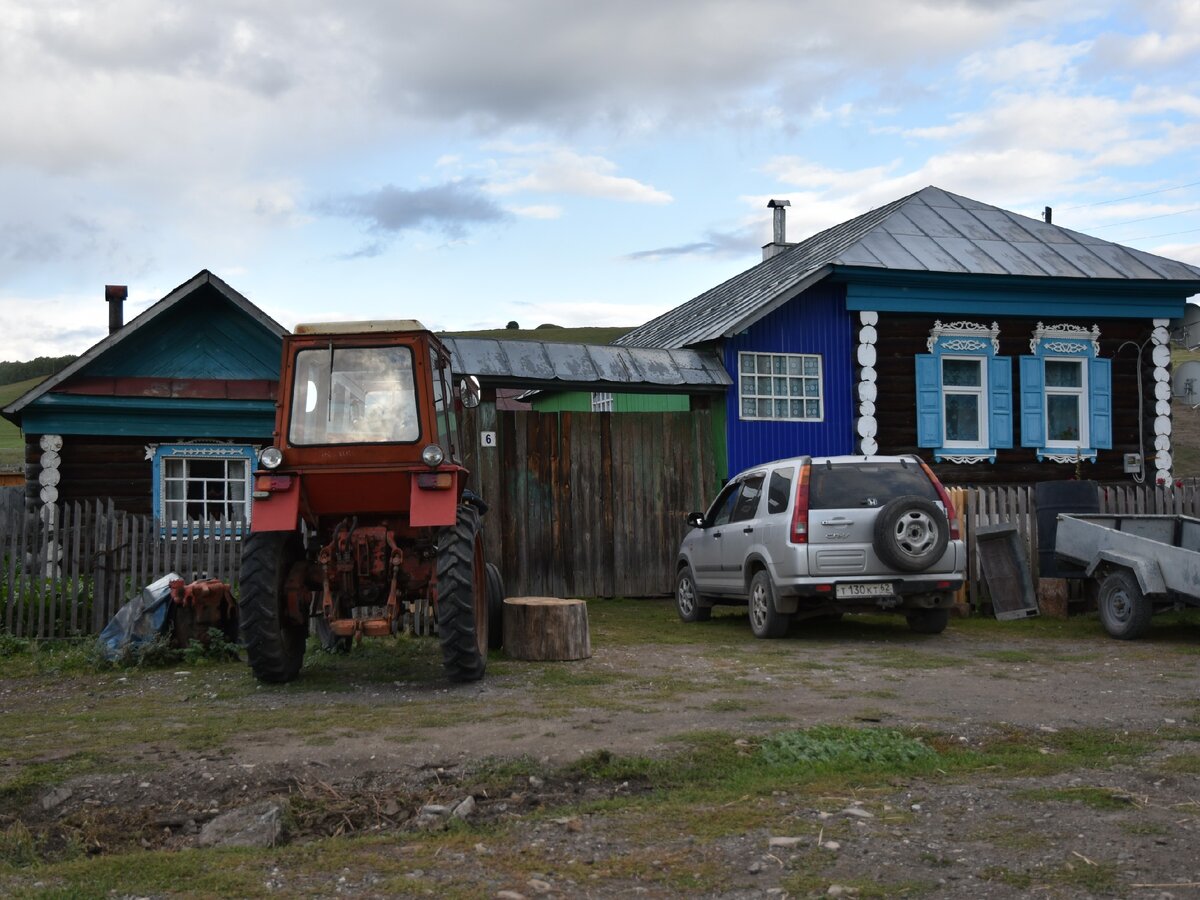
(495, 597)
(1124, 610)
(274, 645)
(462, 599)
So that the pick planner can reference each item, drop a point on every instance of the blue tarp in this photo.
(140, 620)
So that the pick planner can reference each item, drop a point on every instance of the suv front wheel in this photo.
(765, 620)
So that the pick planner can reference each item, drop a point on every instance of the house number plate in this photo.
(845, 591)
(487, 438)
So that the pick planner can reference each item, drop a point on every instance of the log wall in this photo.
(902, 338)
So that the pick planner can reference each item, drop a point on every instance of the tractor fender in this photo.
(1146, 571)
(276, 508)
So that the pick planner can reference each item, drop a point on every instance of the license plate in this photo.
(880, 589)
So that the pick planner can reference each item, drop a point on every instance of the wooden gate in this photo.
(588, 504)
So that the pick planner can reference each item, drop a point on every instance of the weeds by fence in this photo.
(64, 571)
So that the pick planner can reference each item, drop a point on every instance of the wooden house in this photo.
(166, 414)
(998, 347)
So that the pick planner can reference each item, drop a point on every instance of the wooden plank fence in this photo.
(65, 574)
(64, 571)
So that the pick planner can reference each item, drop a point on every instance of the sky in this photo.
(471, 163)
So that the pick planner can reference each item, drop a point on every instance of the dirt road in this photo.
(1048, 760)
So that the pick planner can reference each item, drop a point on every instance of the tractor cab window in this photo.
(354, 395)
(447, 419)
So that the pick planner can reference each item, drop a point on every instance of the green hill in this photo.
(11, 441)
(554, 334)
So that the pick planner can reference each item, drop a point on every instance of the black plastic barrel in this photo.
(1052, 498)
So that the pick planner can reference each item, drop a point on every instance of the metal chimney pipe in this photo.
(116, 294)
(779, 221)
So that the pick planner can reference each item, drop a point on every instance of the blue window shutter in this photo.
(1033, 425)
(1000, 402)
(929, 401)
(1100, 388)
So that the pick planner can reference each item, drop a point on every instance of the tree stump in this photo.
(546, 628)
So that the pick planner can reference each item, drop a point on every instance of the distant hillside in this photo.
(35, 368)
(11, 442)
(589, 335)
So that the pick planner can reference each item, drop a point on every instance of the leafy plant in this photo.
(839, 746)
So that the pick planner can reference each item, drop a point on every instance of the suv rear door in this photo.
(844, 501)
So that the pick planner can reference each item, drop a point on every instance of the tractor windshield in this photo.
(354, 395)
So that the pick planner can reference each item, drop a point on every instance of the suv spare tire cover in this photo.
(911, 533)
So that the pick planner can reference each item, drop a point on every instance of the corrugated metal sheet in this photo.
(929, 231)
(818, 325)
(547, 364)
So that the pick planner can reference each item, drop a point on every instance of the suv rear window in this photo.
(866, 484)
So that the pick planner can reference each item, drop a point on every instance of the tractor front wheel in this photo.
(274, 643)
(462, 599)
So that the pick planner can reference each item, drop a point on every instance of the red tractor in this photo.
(360, 509)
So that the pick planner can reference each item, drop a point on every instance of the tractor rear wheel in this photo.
(274, 644)
(462, 599)
(495, 594)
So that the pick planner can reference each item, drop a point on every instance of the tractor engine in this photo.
(367, 578)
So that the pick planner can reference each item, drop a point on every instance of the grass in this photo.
(12, 442)
(1093, 797)
(63, 717)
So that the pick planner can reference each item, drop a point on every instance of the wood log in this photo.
(546, 628)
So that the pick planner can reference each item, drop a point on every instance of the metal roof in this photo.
(546, 364)
(929, 231)
(141, 321)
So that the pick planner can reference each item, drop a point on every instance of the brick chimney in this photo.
(115, 294)
(778, 229)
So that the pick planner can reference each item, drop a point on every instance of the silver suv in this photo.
(819, 536)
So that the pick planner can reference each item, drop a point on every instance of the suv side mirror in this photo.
(696, 520)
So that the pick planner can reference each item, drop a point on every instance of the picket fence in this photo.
(1015, 505)
(65, 570)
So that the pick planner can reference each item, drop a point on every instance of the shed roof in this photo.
(201, 278)
(548, 364)
(931, 231)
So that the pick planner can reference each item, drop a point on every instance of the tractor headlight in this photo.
(271, 458)
(432, 456)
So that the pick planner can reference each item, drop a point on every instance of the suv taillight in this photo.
(799, 530)
(943, 494)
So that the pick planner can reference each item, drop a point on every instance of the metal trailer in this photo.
(1143, 563)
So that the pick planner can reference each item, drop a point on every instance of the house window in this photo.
(1066, 394)
(602, 401)
(199, 482)
(780, 386)
(964, 403)
(1066, 403)
(964, 393)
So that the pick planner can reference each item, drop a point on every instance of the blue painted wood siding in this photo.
(815, 322)
(205, 336)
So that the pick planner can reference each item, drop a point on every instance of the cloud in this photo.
(450, 208)
(558, 170)
(1038, 62)
(736, 243)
